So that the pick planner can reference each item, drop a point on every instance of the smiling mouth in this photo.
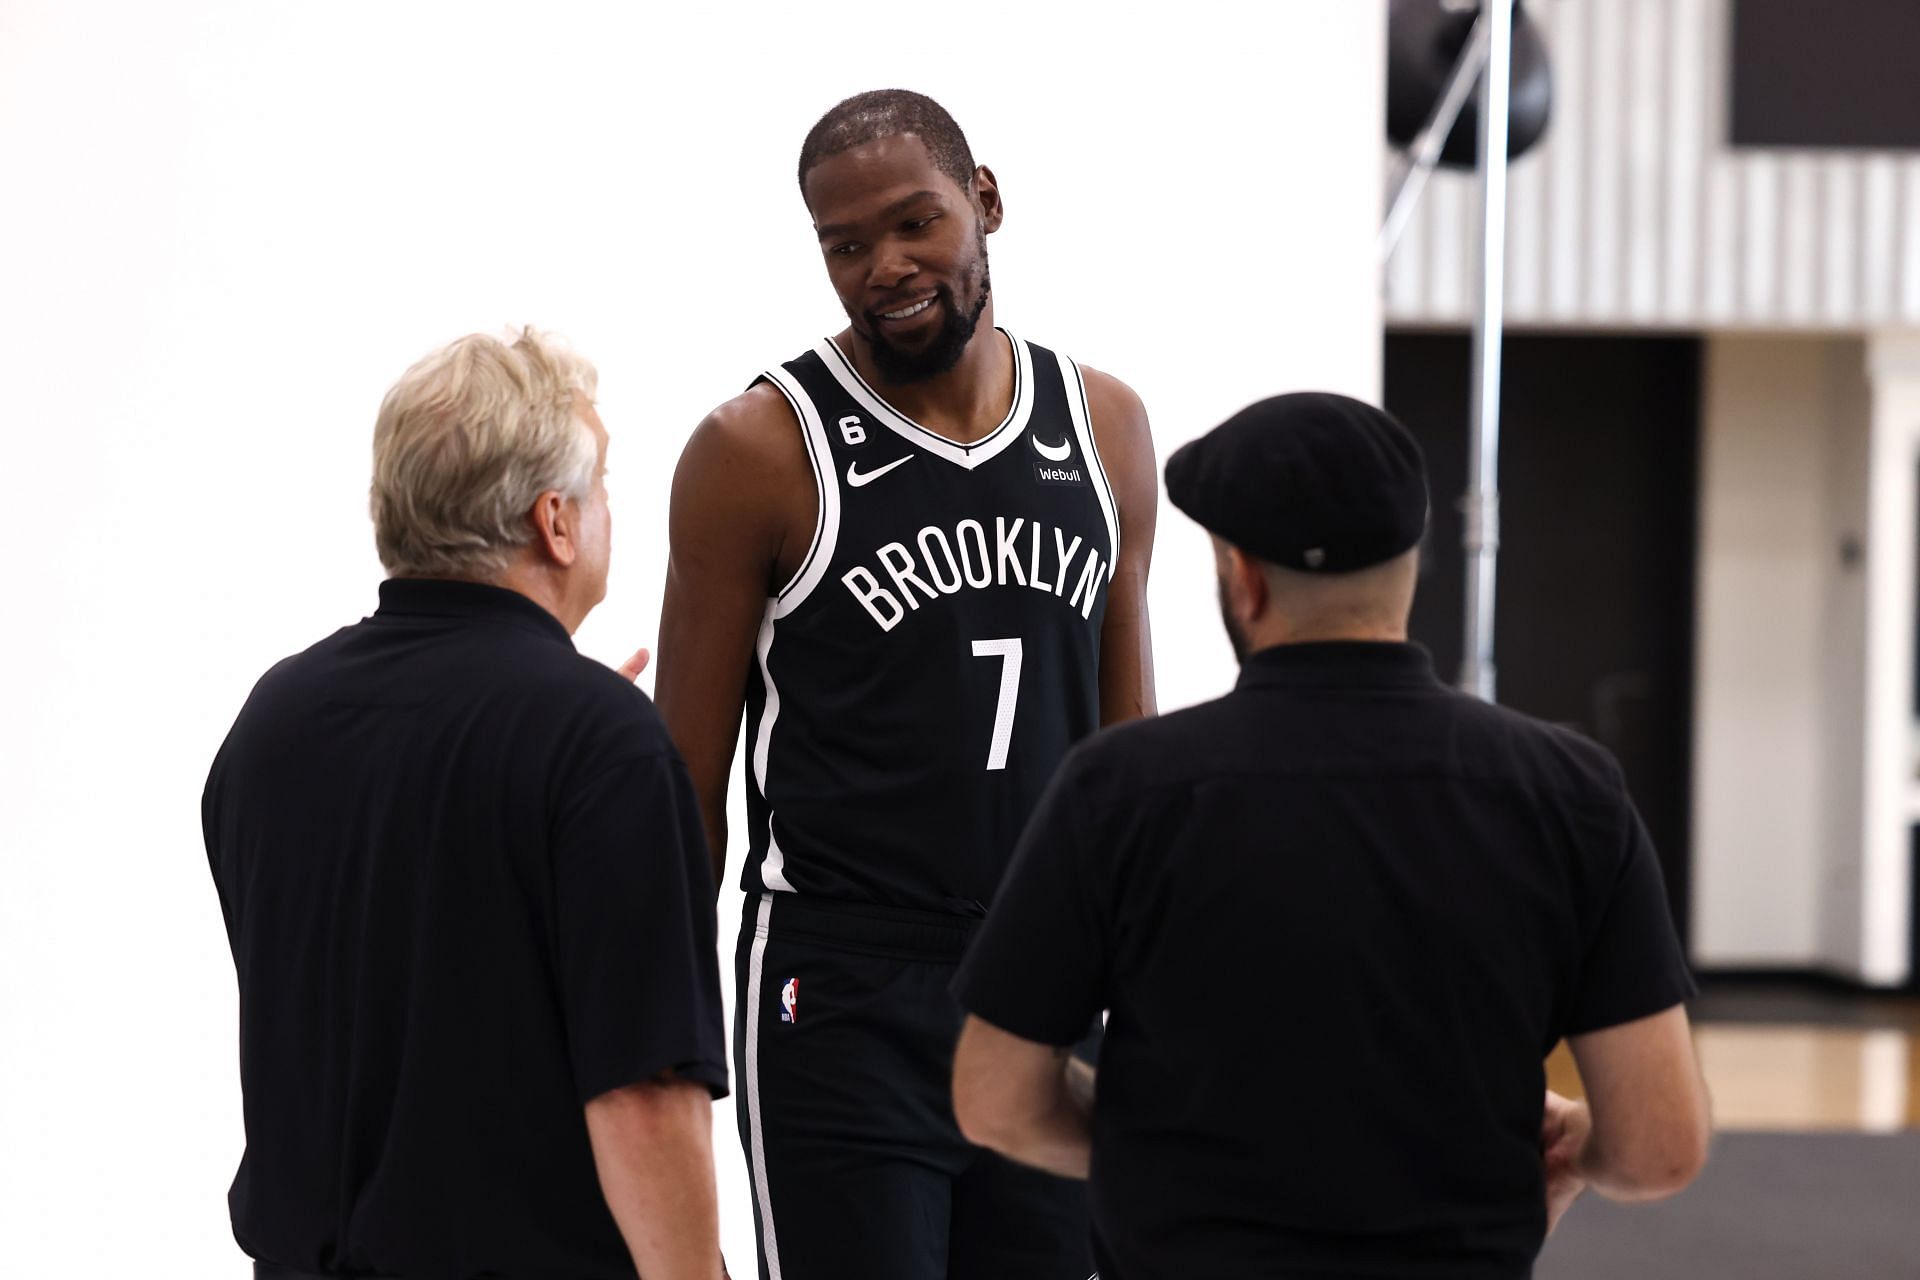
(912, 309)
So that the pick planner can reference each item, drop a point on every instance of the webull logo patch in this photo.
(1050, 473)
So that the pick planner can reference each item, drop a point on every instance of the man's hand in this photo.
(1564, 1127)
(633, 666)
(1020, 1098)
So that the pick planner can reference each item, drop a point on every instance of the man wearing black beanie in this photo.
(1337, 919)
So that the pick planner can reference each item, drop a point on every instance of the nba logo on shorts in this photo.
(790, 1000)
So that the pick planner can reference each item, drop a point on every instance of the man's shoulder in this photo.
(1486, 739)
(565, 685)
(1557, 755)
(1110, 400)
(746, 445)
(1154, 749)
(760, 407)
(760, 420)
(1124, 438)
(556, 695)
(490, 662)
(309, 668)
(1102, 387)
(1105, 388)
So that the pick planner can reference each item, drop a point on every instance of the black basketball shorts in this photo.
(843, 1044)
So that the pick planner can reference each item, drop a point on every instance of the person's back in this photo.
(1386, 969)
(392, 952)
(465, 884)
(1337, 919)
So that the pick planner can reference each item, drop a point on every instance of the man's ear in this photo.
(1249, 584)
(554, 527)
(986, 197)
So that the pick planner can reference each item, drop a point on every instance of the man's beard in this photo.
(948, 345)
(1235, 636)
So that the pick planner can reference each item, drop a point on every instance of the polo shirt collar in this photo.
(1339, 664)
(445, 598)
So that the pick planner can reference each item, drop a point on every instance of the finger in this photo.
(1556, 1206)
(1560, 1198)
(633, 666)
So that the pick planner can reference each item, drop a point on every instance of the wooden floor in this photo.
(1856, 1071)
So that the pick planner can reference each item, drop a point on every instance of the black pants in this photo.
(843, 1045)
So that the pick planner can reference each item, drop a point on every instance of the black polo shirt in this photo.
(467, 890)
(1339, 917)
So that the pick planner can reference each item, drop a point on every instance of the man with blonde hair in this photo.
(466, 885)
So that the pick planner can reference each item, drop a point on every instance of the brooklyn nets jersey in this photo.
(937, 653)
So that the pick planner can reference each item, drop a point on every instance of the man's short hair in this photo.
(881, 113)
(465, 442)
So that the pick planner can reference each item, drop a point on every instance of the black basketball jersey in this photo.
(937, 652)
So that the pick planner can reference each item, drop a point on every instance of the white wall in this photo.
(1801, 739)
(229, 226)
(1764, 567)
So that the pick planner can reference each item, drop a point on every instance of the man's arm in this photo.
(1125, 442)
(1021, 1099)
(1036, 975)
(653, 1147)
(741, 518)
(1642, 1133)
(639, 988)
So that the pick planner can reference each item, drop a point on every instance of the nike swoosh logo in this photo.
(1052, 452)
(856, 477)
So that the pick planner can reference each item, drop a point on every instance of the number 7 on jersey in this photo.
(1008, 651)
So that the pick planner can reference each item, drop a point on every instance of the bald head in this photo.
(1264, 604)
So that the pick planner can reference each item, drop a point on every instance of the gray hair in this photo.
(465, 442)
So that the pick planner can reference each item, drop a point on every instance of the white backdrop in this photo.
(227, 227)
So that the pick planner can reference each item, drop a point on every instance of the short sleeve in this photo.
(1038, 966)
(1633, 965)
(639, 973)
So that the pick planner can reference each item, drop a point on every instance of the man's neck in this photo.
(967, 401)
(1280, 633)
(537, 586)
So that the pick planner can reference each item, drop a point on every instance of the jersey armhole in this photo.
(826, 487)
(1082, 416)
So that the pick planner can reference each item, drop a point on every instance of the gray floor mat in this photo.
(1767, 1207)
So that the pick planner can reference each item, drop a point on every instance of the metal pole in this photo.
(1424, 154)
(1481, 506)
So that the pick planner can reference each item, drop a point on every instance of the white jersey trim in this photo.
(826, 485)
(967, 456)
(757, 1147)
(1082, 416)
(773, 867)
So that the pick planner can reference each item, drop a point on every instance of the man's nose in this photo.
(890, 267)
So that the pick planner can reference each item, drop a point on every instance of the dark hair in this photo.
(881, 113)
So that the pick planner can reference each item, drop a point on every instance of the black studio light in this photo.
(1425, 41)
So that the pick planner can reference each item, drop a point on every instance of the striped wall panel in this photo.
(1634, 213)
